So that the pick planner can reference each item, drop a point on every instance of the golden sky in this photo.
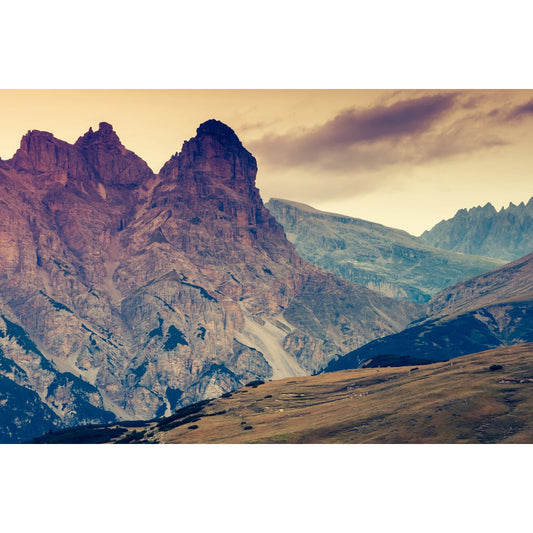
(405, 158)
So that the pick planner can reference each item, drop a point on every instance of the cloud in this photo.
(521, 111)
(404, 129)
(382, 148)
(354, 129)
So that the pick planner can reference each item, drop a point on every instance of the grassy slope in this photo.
(459, 401)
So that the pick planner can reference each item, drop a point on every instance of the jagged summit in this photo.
(40, 151)
(219, 130)
(34, 140)
(215, 155)
(105, 135)
(504, 234)
(96, 156)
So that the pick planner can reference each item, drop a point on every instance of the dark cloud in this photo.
(411, 130)
(353, 127)
(521, 111)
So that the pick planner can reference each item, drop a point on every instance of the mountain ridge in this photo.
(482, 230)
(385, 259)
(484, 312)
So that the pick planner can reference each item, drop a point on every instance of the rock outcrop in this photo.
(126, 294)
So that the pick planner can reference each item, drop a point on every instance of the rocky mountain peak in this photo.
(105, 136)
(213, 179)
(112, 163)
(505, 234)
(215, 155)
(214, 176)
(40, 151)
(223, 133)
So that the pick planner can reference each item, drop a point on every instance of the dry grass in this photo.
(459, 401)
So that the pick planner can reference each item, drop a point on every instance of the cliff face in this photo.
(506, 234)
(383, 259)
(127, 294)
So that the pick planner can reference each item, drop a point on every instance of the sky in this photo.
(403, 158)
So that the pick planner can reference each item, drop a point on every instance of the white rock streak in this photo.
(268, 339)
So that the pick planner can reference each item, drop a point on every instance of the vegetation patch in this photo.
(175, 337)
(133, 423)
(182, 422)
(183, 412)
(254, 384)
(140, 371)
(383, 361)
(19, 334)
(57, 305)
(203, 292)
(132, 437)
(157, 331)
(173, 396)
(81, 435)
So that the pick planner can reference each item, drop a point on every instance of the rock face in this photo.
(126, 294)
(506, 234)
(383, 259)
(488, 311)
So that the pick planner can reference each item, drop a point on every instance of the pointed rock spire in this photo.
(216, 154)
(105, 135)
(214, 177)
(112, 162)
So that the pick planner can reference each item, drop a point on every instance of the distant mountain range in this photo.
(506, 234)
(384, 259)
(491, 310)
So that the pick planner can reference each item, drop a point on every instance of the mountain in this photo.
(488, 311)
(383, 259)
(506, 234)
(480, 398)
(125, 294)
